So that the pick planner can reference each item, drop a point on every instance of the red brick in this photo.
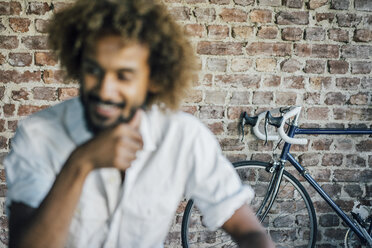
(265, 64)
(262, 97)
(315, 66)
(19, 24)
(220, 2)
(45, 58)
(2, 125)
(195, 1)
(358, 52)
(271, 81)
(2, 59)
(211, 112)
(329, 220)
(35, 42)
(335, 98)
(348, 83)
(348, 20)
(292, 34)
(321, 144)
(361, 67)
(20, 59)
(8, 42)
(332, 159)
(353, 160)
(317, 50)
(58, 6)
(272, 49)
(309, 159)
(9, 109)
(38, 8)
(195, 96)
(19, 77)
(219, 48)
(216, 128)
(233, 15)
(340, 4)
(293, 3)
(346, 175)
(241, 64)
(338, 66)
(41, 25)
(215, 64)
(195, 30)
(324, 16)
(232, 144)
(290, 65)
(319, 83)
(362, 35)
(353, 190)
(218, 31)
(2, 90)
(286, 98)
(364, 146)
(53, 76)
(247, 81)
(233, 113)
(242, 32)
(359, 99)
(205, 14)
(240, 98)
(314, 4)
(260, 16)
(317, 113)
(25, 110)
(363, 5)
(189, 109)
(244, 2)
(338, 34)
(312, 98)
(351, 114)
(3, 145)
(215, 97)
(67, 93)
(267, 32)
(44, 93)
(10, 8)
(314, 34)
(20, 94)
(289, 18)
(294, 82)
(343, 145)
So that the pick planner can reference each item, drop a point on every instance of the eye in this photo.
(123, 76)
(92, 70)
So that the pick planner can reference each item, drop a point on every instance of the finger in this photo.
(136, 120)
(130, 144)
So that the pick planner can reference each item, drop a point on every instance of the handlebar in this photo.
(279, 122)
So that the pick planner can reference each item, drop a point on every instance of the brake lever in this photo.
(266, 123)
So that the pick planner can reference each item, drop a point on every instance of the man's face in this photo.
(115, 82)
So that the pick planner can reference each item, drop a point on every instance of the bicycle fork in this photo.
(277, 170)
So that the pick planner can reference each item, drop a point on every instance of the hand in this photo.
(116, 147)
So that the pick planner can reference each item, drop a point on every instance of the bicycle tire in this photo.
(302, 223)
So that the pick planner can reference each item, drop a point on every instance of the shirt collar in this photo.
(76, 125)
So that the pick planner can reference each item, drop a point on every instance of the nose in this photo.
(107, 87)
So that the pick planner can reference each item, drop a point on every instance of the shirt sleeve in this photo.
(213, 183)
(28, 178)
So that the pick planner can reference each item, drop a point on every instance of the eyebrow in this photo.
(120, 70)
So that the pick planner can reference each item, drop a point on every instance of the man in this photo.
(109, 168)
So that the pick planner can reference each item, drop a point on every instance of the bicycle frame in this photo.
(286, 156)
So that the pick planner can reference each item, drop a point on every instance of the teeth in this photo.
(105, 106)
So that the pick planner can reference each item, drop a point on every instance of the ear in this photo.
(153, 87)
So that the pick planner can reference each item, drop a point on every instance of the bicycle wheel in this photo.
(291, 221)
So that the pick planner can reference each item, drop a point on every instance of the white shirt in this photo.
(180, 157)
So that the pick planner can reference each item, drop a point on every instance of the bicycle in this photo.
(281, 203)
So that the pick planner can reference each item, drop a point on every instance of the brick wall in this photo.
(254, 55)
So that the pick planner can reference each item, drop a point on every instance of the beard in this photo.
(88, 99)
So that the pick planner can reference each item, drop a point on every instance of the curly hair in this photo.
(172, 61)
